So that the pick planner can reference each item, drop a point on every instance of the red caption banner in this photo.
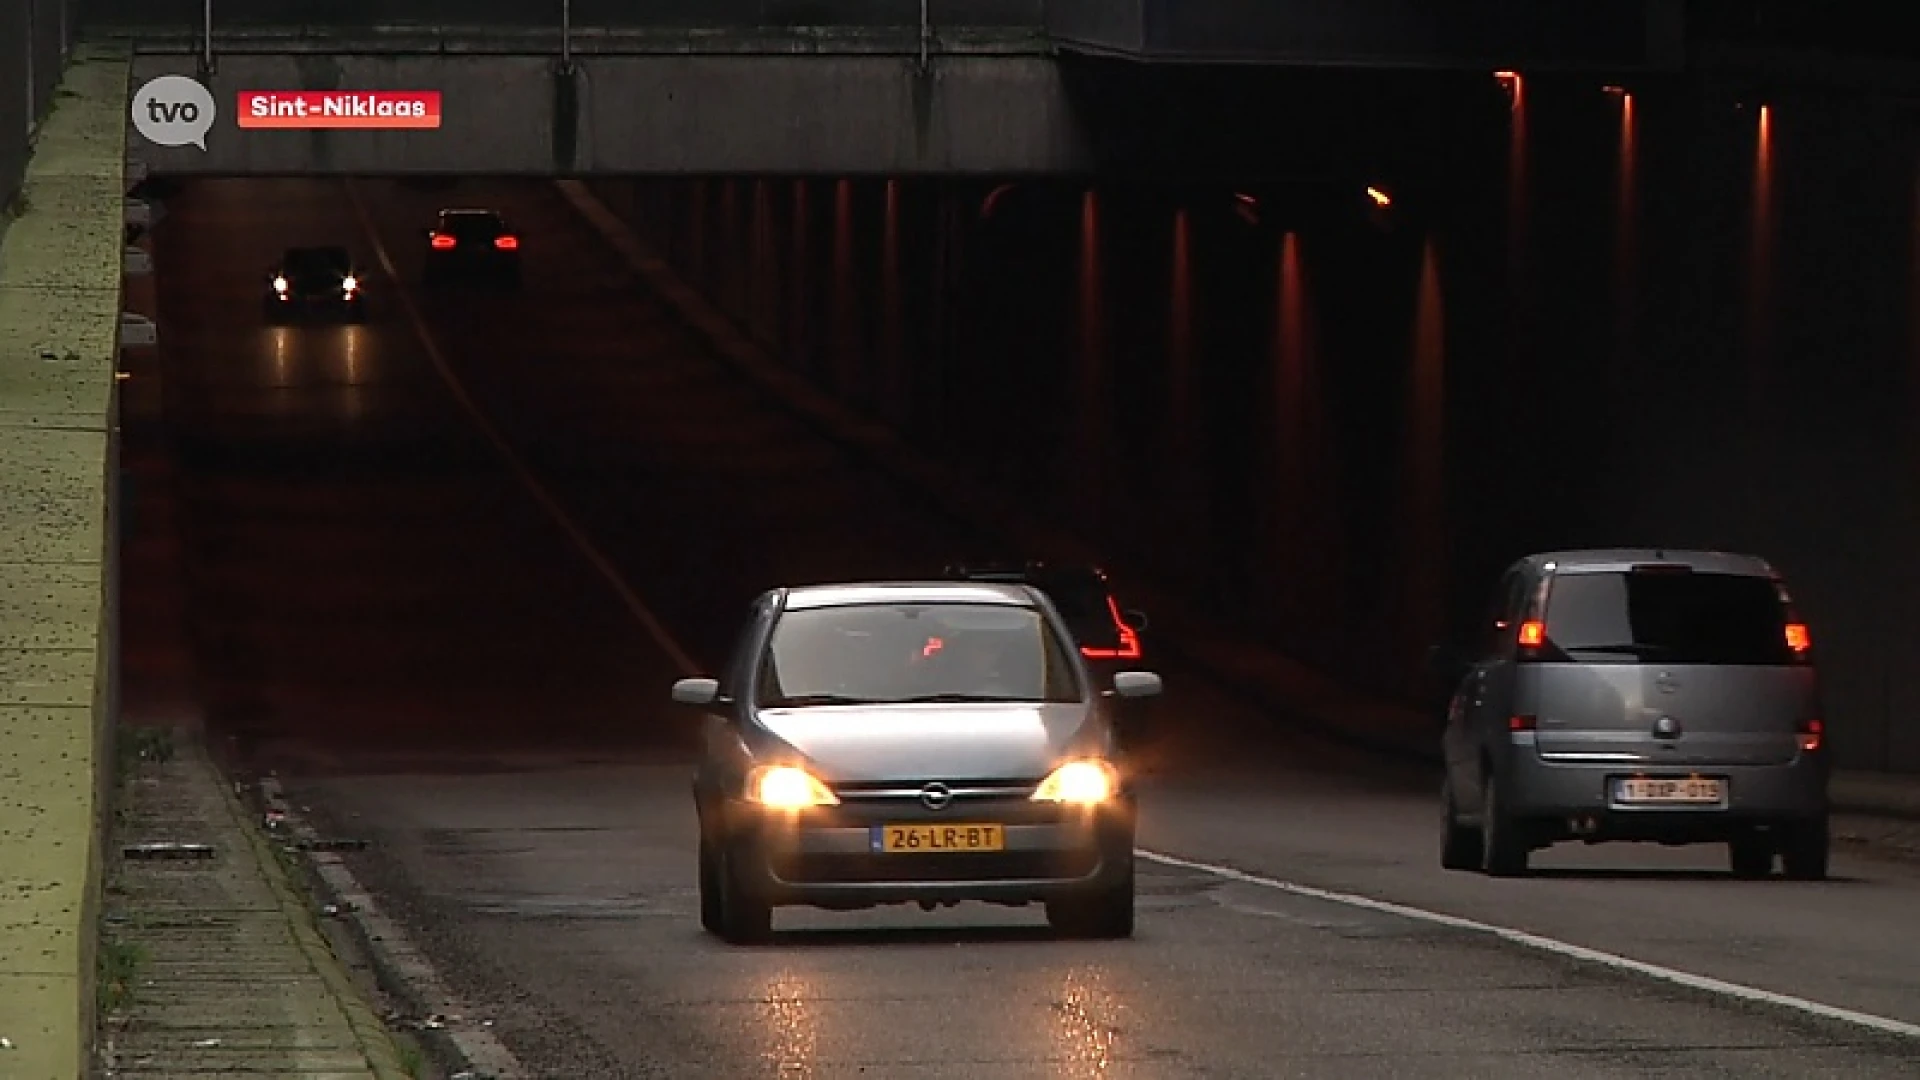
(375, 109)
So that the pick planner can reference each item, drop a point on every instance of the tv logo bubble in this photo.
(174, 110)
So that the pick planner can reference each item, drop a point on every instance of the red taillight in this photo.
(1533, 633)
(507, 243)
(1797, 637)
(932, 646)
(1812, 735)
(1521, 723)
(441, 241)
(1129, 640)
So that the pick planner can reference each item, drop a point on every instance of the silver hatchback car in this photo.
(1637, 695)
(911, 743)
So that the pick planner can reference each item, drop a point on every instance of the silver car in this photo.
(1637, 695)
(911, 743)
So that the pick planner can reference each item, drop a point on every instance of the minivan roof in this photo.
(1602, 560)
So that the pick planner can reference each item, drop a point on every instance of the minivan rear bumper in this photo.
(1579, 796)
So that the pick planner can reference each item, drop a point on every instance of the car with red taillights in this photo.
(1108, 635)
(472, 245)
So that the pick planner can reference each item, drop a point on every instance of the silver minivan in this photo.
(1636, 695)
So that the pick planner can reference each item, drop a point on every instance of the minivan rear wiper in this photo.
(1628, 648)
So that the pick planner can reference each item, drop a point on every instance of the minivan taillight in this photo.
(1522, 723)
(1812, 735)
(1798, 639)
(1532, 634)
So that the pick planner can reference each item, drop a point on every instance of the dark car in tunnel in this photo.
(1107, 634)
(1638, 695)
(472, 245)
(926, 743)
(314, 281)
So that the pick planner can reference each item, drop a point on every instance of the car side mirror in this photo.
(696, 691)
(1136, 684)
(1134, 618)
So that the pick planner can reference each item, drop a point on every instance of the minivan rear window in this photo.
(1667, 618)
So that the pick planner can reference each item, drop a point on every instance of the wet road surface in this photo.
(446, 666)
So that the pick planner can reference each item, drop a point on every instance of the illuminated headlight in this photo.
(350, 284)
(786, 787)
(279, 284)
(1080, 782)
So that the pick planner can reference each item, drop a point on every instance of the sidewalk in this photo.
(1288, 690)
(212, 963)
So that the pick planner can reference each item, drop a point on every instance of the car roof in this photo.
(1029, 569)
(1601, 560)
(325, 251)
(809, 597)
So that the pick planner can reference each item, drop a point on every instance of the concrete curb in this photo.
(1877, 795)
(465, 1050)
(375, 1041)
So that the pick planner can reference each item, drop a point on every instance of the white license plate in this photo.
(1685, 791)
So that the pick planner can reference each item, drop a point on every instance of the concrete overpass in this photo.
(840, 87)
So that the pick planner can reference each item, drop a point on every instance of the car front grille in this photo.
(816, 869)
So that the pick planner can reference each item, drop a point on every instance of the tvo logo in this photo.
(174, 110)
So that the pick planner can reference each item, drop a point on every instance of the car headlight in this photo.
(350, 284)
(279, 284)
(787, 787)
(1080, 782)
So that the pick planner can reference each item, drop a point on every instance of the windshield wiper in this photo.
(936, 699)
(816, 699)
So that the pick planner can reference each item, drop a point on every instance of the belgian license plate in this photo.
(937, 839)
(1674, 790)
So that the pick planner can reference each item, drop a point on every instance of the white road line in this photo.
(672, 647)
(524, 473)
(1717, 987)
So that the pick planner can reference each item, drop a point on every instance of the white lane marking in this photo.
(1718, 987)
(665, 638)
(518, 465)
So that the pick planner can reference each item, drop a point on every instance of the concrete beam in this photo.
(662, 115)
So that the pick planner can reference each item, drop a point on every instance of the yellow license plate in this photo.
(936, 839)
(1688, 790)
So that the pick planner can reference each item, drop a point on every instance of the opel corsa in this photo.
(1638, 695)
(911, 742)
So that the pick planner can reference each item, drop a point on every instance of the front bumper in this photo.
(829, 857)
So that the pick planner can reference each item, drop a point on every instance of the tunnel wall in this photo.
(1650, 326)
(507, 115)
(531, 14)
(33, 48)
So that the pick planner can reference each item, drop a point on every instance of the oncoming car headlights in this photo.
(1080, 783)
(787, 787)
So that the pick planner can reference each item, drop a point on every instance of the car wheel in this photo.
(1106, 914)
(1751, 855)
(1459, 844)
(1503, 850)
(710, 895)
(1804, 855)
(746, 918)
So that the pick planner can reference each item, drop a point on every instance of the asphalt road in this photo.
(424, 552)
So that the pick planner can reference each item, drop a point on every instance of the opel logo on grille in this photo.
(936, 796)
(1666, 727)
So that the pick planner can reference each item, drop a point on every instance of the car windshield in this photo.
(898, 653)
(317, 262)
(1667, 618)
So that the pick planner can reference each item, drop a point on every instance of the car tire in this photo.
(1106, 914)
(1751, 855)
(711, 899)
(746, 918)
(1804, 854)
(1503, 850)
(1459, 844)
